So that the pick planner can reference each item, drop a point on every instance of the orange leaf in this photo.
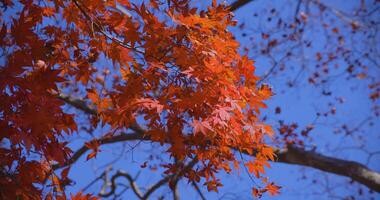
(272, 189)
(256, 193)
(81, 196)
(91, 155)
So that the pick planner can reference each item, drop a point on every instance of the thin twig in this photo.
(198, 190)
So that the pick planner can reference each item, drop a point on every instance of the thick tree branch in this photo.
(238, 4)
(353, 170)
(291, 155)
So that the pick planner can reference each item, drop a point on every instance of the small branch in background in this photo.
(132, 183)
(78, 104)
(297, 9)
(196, 187)
(156, 186)
(174, 177)
(103, 176)
(343, 16)
(107, 140)
(105, 181)
(95, 22)
(91, 110)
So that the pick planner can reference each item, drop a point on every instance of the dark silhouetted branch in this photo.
(174, 177)
(79, 104)
(238, 4)
(107, 140)
(196, 187)
(356, 171)
(132, 182)
(292, 155)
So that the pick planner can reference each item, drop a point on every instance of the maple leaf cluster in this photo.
(177, 66)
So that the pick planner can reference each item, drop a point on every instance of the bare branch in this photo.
(297, 8)
(78, 103)
(291, 155)
(174, 177)
(198, 190)
(238, 4)
(107, 140)
(132, 182)
(103, 176)
(83, 106)
(353, 170)
(156, 186)
(175, 192)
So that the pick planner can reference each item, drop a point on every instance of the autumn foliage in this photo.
(173, 64)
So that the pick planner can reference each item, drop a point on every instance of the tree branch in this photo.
(156, 186)
(238, 4)
(196, 187)
(165, 180)
(108, 140)
(354, 170)
(82, 105)
(175, 193)
(78, 103)
(291, 155)
(132, 182)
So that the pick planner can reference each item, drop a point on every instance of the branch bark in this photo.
(354, 170)
(238, 4)
(291, 155)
